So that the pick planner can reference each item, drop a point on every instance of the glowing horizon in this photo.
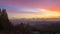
(45, 14)
(31, 8)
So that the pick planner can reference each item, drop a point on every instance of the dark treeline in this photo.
(7, 28)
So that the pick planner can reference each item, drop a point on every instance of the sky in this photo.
(31, 8)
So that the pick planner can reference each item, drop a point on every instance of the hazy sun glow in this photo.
(42, 13)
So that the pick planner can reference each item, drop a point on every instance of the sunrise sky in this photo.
(31, 8)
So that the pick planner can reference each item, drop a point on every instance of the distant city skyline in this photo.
(31, 8)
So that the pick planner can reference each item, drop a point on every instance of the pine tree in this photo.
(0, 12)
(1, 28)
(4, 15)
(6, 24)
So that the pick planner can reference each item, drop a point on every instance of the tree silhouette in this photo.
(5, 24)
(5, 20)
(28, 29)
(1, 28)
(21, 28)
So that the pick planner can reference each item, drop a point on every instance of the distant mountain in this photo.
(35, 21)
